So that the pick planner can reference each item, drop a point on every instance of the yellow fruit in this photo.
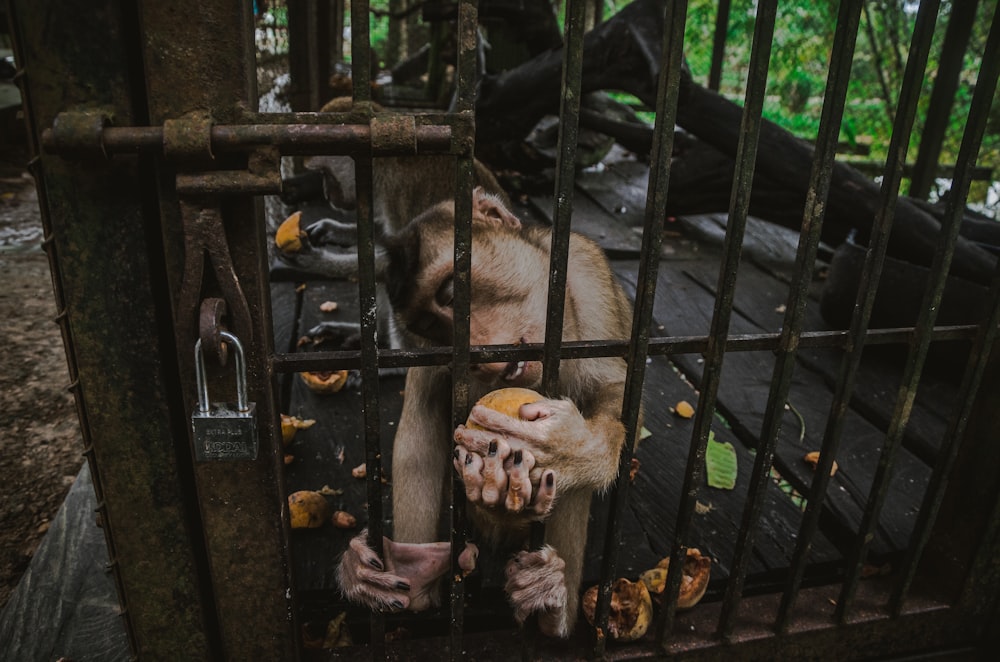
(325, 382)
(289, 236)
(308, 509)
(694, 580)
(292, 424)
(507, 401)
(684, 409)
(812, 459)
(631, 609)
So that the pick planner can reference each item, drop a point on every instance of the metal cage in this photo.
(148, 155)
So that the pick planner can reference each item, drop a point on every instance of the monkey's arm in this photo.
(547, 581)
(407, 575)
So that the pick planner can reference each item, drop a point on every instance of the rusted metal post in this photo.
(199, 58)
(102, 239)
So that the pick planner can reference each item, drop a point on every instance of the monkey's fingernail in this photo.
(492, 450)
(455, 453)
(402, 586)
(375, 563)
(396, 604)
(518, 456)
(550, 480)
(468, 458)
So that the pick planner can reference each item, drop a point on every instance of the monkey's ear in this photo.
(491, 207)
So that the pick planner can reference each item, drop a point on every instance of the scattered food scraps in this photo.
(344, 520)
(308, 509)
(326, 381)
(684, 409)
(292, 424)
(328, 306)
(696, 572)
(631, 609)
(812, 459)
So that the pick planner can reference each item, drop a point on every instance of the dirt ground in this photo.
(39, 430)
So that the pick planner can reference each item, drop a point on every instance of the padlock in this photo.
(224, 431)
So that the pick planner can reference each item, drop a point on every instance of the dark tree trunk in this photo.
(624, 54)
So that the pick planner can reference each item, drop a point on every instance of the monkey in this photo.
(402, 187)
(543, 465)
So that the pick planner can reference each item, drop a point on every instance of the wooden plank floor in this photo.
(608, 207)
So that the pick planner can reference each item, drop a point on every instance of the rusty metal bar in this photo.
(294, 138)
(719, 44)
(637, 348)
(361, 52)
(585, 349)
(569, 125)
(360, 72)
(951, 223)
(936, 486)
(870, 273)
(956, 41)
(719, 328)
(466, 36)
(841, 58)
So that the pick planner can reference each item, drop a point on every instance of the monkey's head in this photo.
(509, 283)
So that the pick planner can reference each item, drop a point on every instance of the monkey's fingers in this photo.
(470, 467)
(474, 441)
(494, 475)
(363, 580)
(545, 497)
(536, 582)
(518, 481)
(329, 231)
(469, 557)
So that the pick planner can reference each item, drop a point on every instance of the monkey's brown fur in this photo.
(508, 306)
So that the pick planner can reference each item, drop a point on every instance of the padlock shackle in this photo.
(201, 379)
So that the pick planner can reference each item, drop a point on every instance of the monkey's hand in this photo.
(583, 453)
(500, 480)
(536, 584)
(406, 577)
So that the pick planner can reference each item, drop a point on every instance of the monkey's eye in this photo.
(446, 293)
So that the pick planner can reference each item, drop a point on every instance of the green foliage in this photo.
(800, 57)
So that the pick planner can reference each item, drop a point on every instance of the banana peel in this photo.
(325, 382)
(292, 424)
(631, 609)
(694, 581)
(289, 236)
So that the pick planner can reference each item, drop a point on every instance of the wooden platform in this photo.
(608, 206)
(53, 611)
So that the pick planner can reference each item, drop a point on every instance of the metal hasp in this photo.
(223, 430)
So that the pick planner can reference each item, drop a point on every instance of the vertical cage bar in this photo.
(938, 483)
(668, 87)
(841, 57)
(361, 52)
(956, 42)
(360, 73)
(951, 223)
(569, 124)
(870, 273)
(719, 45)
(739, 205)
(464, 172)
